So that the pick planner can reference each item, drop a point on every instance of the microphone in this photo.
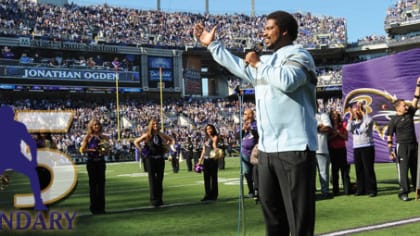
(257, 48)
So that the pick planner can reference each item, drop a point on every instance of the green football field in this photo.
(129, 211)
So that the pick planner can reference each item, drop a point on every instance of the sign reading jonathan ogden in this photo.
(62, 169)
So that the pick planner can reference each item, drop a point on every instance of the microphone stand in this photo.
(241, 206)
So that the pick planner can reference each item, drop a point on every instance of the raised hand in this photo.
(203, 36)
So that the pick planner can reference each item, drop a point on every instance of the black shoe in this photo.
(326, 196)
(372, 194)
(98, 212)
(359, 193)
(403, 197)
(157, 203)
(204, 199)
(349, 192)
(256, 197)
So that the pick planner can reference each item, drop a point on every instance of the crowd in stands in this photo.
(327, 76)
(224, 113)
(98, 62)
(373, 38)
(123, 26)
(403, 12)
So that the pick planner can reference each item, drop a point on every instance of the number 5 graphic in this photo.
(63, 178)
(60, 166)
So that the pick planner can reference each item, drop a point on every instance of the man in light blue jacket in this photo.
(285, 100)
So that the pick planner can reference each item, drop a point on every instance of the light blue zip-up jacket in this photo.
(284, 96)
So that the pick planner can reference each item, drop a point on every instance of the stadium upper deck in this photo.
(134, 27)
(122, 26)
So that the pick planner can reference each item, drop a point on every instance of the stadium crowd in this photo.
(135, 27)
(331, 75)
(403, 12)
(123, 26)
(183, 119)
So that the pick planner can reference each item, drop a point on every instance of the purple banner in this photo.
(377, 83)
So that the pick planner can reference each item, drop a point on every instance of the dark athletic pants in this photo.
(287, 192)
(407, 155)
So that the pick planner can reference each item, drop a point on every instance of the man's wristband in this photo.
(418, 85)
(417, 96)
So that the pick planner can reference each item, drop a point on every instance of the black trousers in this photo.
(175, 163)
(255, 179)
(96, 174)
(287, 192)
(188, 156)
(364, 160)
(210, 179)
(196, 156)
(156, 168)
(339, 165)
(407, 157)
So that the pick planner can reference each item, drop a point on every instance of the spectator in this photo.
(82, 61)
(175, 153)
(338, 153)
(52, 62)
(322, 154)
(24, 59)
(198, 148)
(7, 53)
(98, 60)
(116, 62)
(187, 153)
(37, 58)
(360, 125)
(249, 140)
(90, 62)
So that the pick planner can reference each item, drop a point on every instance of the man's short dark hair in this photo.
(397, 102)
(286, 22)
